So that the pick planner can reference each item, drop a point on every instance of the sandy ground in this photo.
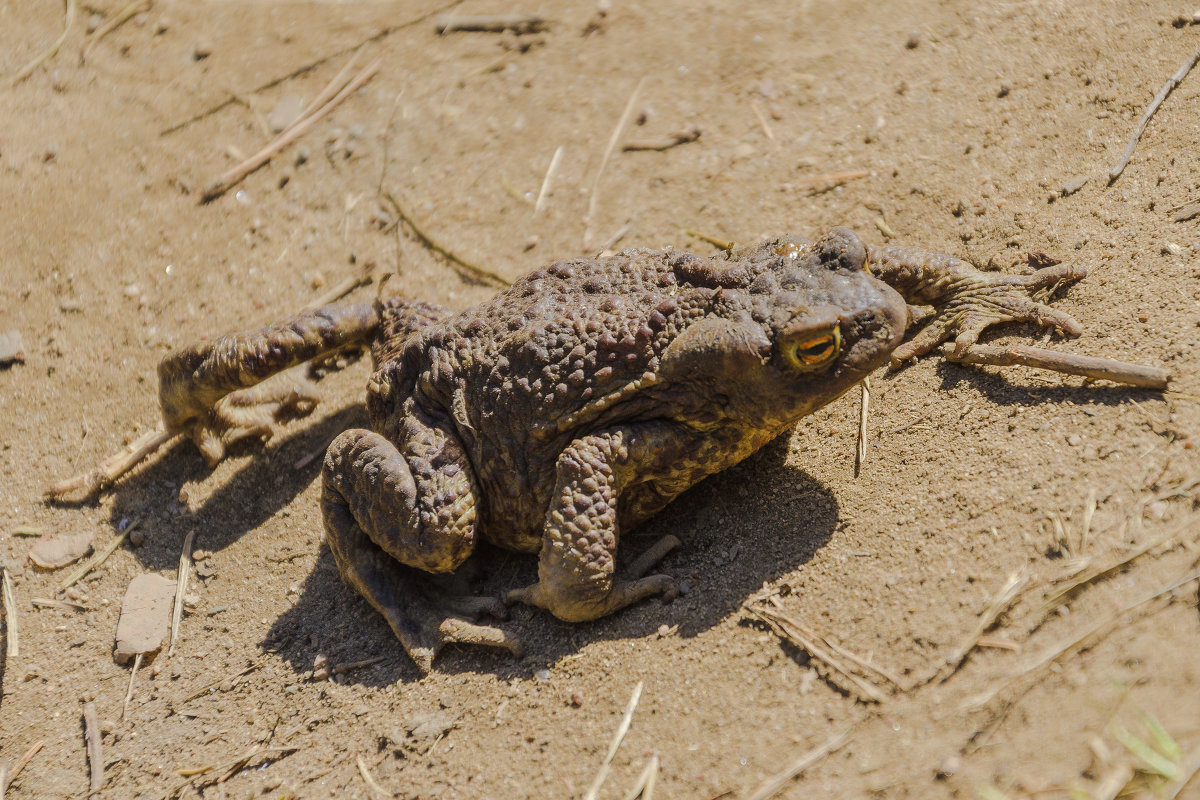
(969, 118)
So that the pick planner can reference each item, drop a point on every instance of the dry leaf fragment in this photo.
(55, 552)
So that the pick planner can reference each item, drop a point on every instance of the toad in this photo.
(575, 404)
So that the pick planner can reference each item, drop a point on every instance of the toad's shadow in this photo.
(267, 483)
(751, 523)
(735, 536)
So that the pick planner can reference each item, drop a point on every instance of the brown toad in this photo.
(577, 403)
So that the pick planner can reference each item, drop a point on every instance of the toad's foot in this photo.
(421, 619)
(966, 300)
(253, 412)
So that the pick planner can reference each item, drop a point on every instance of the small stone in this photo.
(913, 40)
(949, 766)
(321, 670)
(145, 616)
(1005, 89)
(1074, 185)
(1074, 440)
(1156, 510)
(10, 348)
(201, 51)
(576, 699)
(137, 538)
(542, 674)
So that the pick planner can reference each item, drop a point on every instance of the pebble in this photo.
(321, 670)
(1074, 440)
(542, 675)
(10, 347)
(137, 538)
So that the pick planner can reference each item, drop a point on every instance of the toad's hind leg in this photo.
(391, 517)
(210, 390)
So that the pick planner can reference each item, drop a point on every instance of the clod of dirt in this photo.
(145, 616)
(430, 726)
(10, 348)
(55, 552)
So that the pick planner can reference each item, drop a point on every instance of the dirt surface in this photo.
(968, 118)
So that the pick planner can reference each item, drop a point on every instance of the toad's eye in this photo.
(813, 351)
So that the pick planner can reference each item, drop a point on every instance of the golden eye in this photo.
(814, 351)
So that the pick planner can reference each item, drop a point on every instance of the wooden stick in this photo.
(124, 15)
(479, 273)
(618, 737)
(550, 170)
(776, 782)
(682, 137)
(97, 559)
(494, 23)
(234, 176)
(181, 582)
(1171, 83)
(49, 52)
(1089, 366)
(3, 780)
(860, 450)
(608, 151)
(95, 749)
(112, 467)
(13, 647)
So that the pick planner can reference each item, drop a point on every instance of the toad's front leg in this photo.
(967, 300)
(576, 570)
(394, 515)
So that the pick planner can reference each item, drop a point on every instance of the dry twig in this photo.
(835, 177)
(550, 170)
(1003, 599)
(860, 450)
(476, 272)
(95, 750)
(828, 652)
(608, 151)
(98, 558)
(1070, 363)
(495, 23)
(373, 786)
(137, 662)
(772, 785)
(722, 244)
(682, 137)
(120, 18)
(375, 36)
(49, 52)
(626, 720)
(644, 785)
(233, 678)
(344, 286)
(1088, 575)
(181, 582)
(5, 780)
(12, 648)
(234, 176)
(1171, 83)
